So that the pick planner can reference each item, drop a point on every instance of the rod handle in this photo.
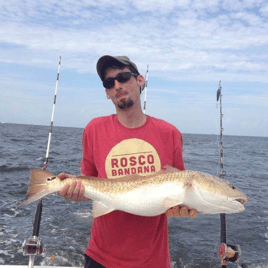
(37, 219)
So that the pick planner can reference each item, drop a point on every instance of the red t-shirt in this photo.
(110, 150)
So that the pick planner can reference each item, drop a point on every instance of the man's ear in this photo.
(141, 80)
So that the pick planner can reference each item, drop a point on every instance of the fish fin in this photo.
(100, 209)
(171, 202)
(38, 186)
(31, 199)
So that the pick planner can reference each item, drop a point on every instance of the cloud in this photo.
(264, 10)
(188, 43)
(193, 41)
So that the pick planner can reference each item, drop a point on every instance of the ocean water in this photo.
(65, 225)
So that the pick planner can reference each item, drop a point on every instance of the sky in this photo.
(189, 46)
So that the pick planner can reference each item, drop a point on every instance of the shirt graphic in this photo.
(132, 156)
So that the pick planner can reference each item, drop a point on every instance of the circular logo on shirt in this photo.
(132, 156)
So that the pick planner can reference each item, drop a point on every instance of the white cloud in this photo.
(264, 10)
(190, 40)
(250, 18)
(190, 44)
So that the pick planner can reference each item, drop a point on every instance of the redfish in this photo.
(147, 195)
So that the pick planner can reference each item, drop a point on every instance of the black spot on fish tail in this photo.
(51, 179)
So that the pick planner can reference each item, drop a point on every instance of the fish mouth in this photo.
(242, 201)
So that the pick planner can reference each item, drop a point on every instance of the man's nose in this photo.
(117, 85)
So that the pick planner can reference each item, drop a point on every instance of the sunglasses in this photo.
(121, 78)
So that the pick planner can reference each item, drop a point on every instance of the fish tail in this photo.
(38, 185)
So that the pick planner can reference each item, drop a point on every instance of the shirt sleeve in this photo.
(87, 164)
(178, 161)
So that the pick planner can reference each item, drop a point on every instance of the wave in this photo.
(255, 265)
(5, 168)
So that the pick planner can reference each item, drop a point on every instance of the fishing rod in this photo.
(145, 88)
(226, 252)
(33, 246)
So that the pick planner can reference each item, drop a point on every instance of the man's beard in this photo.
(125, 103)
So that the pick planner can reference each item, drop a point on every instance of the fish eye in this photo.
(232, 186)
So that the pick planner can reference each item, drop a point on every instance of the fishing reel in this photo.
(32, 246)
(229, 253)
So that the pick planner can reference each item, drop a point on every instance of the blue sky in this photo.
(189, 45)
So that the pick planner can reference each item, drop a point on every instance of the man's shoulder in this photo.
(98, 121)
(162, 124)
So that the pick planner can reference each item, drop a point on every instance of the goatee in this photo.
(125, 104)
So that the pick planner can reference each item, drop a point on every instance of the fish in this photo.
(149, 195)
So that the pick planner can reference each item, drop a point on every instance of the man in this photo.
(128, 142)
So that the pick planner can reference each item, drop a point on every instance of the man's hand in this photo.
(74, 191)
(181, 211)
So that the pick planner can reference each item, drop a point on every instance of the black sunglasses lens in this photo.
(108, 83)
(121, 78)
